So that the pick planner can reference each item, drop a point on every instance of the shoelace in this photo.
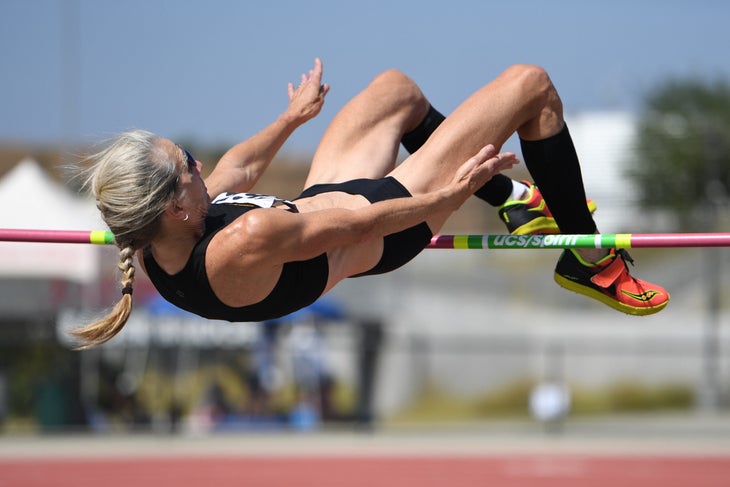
(626, 257)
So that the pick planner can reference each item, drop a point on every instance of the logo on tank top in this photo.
(251, 200)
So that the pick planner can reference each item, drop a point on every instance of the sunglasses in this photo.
(189, 160)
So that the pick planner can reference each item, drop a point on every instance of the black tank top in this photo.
(300, 284)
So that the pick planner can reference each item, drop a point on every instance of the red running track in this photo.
(563, 470)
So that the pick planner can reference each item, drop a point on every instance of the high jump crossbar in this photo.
(558, 241)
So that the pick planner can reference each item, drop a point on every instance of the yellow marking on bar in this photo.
(98, 237)
(461, 241)
(623, 240)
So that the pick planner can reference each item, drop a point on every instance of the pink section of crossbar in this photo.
(655, 240)
(48, 236)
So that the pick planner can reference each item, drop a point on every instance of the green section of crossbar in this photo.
(620, 241)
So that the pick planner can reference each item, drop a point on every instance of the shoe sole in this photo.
(607, 300)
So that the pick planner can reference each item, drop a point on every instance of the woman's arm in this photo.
(242, 166)
(274, 236)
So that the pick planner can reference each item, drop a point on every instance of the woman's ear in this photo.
(174, 210)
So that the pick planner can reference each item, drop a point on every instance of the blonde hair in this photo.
(132, 179)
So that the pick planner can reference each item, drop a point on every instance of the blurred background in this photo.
(471, 340)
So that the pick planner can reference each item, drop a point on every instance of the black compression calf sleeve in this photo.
(554, 166)
(495, 191)
(414, 139)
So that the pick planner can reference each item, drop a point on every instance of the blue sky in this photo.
(216, 71)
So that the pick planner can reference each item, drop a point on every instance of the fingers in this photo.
(317, 71)
(488, 158)
(485, 152)
(315, 74)
(312, 78)
(502, 160)
(486, 163)
(487, 155)
(480, 157)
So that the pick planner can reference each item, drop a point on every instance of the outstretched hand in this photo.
(307, 99)
(480, 168)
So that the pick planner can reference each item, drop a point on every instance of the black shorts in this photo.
(398, 248)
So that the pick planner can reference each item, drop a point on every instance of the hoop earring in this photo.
(186, 217)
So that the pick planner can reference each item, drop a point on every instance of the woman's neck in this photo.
(173, 245)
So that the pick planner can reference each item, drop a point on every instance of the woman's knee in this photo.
(542, 108)
(533, 81)
(402, 93)
(394, 79)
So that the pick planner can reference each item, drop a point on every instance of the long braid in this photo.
(126, 265)
(104, 329)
